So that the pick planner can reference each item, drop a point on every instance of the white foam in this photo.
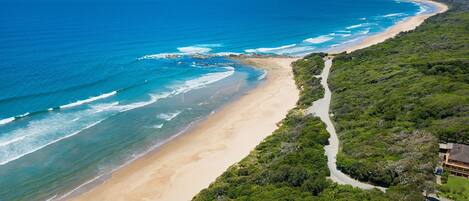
(200, 49)
(224, 54)
(202, 81)
(158, 126)
(394, 15)
(344, 31)
(4, 143)
(23, 115)
(211, 45)
(422, 7)
(270, 50)
(169, 116)
(178, 89)
(89, 100)
(356, 26)
(319, 39)
(263, 76)
(10, 151)
(11, 119)
(292, 49)
(103, 107)
(58, 126)
(162, 56)
(297, 51)
(134, 157)
(153, 99)
(40, 133)
(365, 31)
(194, 50)
(7, 120)
(344, 35)
(353, 40)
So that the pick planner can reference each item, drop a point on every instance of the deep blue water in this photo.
(87, 86)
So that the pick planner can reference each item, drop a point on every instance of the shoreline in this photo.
(183, 166)
(407, 24)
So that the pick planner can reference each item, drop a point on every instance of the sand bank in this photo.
(189, 163)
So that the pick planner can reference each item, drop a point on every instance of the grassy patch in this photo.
(457, 189)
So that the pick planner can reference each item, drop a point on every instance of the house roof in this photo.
(459, 152)
(446, 146)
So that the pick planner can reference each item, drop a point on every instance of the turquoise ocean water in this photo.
(88, 86)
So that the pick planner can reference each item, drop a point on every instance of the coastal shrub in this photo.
(393, 102)
(288, 165)
(305, 71)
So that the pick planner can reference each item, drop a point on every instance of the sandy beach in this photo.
(182, 167)
(405, 25)
(189, 163)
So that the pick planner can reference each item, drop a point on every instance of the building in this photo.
(455, 158)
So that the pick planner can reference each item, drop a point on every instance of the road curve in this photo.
(320, 108)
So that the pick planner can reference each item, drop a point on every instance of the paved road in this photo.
(320, 108)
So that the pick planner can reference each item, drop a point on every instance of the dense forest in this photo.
(393, 102)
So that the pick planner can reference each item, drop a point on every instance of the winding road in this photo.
(320, 108)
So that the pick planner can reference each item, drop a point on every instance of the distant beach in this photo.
(189, 163)
(405, 25)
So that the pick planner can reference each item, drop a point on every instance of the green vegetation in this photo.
(394, 101)
(457, 188)
(290, 164)
(310, 87)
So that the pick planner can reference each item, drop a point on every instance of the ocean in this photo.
(88, 86)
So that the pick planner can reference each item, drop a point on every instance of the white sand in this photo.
(189, 163)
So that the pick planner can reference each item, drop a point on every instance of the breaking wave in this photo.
(269, 50)
(395, 15)
(319, 39)
(11, 119)
(89, 100)
(201, 49)
(6, 120)
(355, 26)
(292, 49)
(169, 116)
(38, 134)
